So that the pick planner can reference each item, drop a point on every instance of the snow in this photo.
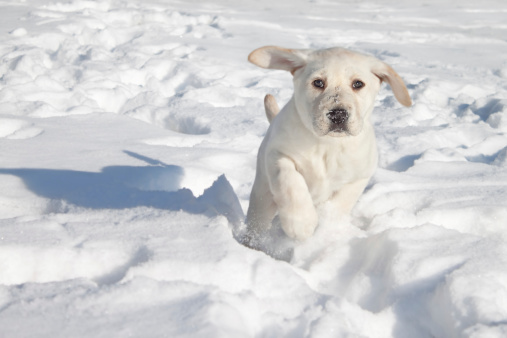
(128, 139)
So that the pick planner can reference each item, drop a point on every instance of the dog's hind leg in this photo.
(345, 199)
(271, 107)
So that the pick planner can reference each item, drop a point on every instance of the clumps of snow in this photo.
(18, 32)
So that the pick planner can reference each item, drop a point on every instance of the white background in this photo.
(116, 115)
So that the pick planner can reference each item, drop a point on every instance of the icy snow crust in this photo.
(118, 120)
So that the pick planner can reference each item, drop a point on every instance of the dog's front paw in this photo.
(299, 224)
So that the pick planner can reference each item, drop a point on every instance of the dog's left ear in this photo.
(273, 57)
(385, 73)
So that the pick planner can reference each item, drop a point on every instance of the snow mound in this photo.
(128, 135)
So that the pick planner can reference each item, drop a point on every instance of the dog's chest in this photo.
(327, 169)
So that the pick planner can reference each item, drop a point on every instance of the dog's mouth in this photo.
(337, 121)
(338, 129)
(333, 130)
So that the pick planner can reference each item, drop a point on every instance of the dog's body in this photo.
(321, 146)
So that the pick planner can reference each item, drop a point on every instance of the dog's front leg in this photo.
(297, 213)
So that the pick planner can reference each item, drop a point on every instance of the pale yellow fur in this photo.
(302, 162)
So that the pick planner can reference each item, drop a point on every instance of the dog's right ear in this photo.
(273, 57)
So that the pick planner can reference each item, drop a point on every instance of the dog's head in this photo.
(334, 89)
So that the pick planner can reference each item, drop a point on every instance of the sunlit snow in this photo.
(128, 138)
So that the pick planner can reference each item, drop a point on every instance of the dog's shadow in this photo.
(155, 185)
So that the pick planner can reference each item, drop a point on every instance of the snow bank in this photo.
(128, 134)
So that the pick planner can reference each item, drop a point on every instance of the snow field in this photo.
(118, 118)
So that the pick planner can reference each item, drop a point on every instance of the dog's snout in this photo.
(338, 116)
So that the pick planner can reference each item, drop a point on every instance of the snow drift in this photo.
(128, 136)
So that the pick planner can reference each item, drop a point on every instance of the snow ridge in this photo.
(128, 134)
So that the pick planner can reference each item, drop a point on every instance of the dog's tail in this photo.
(271, 107)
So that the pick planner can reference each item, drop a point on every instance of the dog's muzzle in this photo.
(339, 118)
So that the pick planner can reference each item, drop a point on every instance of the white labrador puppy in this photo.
(321, 146)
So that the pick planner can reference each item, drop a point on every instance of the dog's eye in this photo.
(318, 83)
(357, 84)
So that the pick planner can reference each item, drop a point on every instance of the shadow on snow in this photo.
(156, 185)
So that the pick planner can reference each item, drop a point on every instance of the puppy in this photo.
(321, 146)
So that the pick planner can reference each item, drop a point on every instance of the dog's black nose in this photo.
(338, 116)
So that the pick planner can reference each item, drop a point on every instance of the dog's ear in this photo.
(273, 57)
(385, 73)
